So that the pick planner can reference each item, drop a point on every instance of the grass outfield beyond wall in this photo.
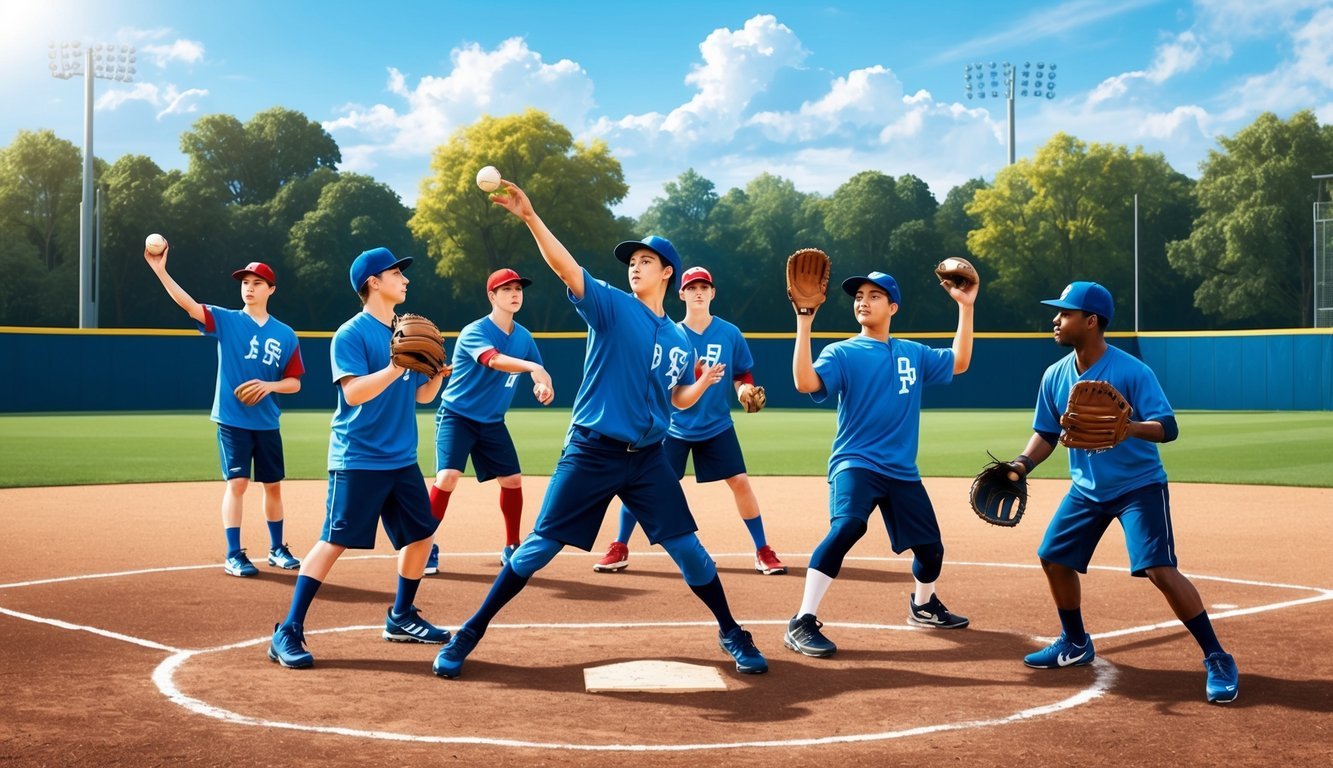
(1258, 448)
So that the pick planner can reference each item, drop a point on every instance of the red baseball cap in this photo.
(694, 275)
(504, 277)
(259, 269)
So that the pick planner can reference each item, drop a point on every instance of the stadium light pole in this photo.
(982, 81)
(109, 62)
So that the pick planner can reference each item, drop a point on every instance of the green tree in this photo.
(953, 222)
(681, 215)
(40, 190)
(252, 161)
(1251, 244)
(861, 216)
(133, 208)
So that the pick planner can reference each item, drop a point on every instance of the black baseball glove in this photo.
(996, 496)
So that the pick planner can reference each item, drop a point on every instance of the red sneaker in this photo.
(617, 557)
(766, 562)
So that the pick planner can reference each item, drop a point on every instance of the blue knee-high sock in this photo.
(756, 526)
(716, 600)
(506, 587)
(302, 597)
(407, 592)
(274, 534)
(627, 523)
(233, 540)
(1202, 629)
(1071, 622)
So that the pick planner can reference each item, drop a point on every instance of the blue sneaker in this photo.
(288, 647)
(1062, 653)
(507, 553)
(282, 557)
(433, 562)
(1223, 678)
(449, 661)
(804, 637)
(411, 628)
(740, 645)
(237, 564)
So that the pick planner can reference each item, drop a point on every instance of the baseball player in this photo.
(373, 472)
(1125, 483)
(878, 381)
(706, 429)
(257, 356)
(637, 361)
(490, 355)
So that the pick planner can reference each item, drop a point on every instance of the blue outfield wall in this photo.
(128, 370)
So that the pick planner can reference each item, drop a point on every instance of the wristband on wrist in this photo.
(1028, 464)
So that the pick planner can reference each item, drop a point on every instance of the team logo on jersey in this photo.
(509, 382)
(254, 348)
(906, 375)
(272, 352)
(677, 359)
(712, 353)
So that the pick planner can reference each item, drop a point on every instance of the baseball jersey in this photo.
(479, 392)
(1128, 466)
(720, 342)
(879, 385)
(381, 433)
(632, 362)
(248, 350)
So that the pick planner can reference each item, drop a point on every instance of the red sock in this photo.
(511, 506)
(439, 501)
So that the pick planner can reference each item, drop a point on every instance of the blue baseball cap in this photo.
(373, 262)
(884, 281)
(1085, 296)
(658, 245)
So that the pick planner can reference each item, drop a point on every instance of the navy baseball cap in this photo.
(373, 262)
(1085, 296)
(658, 245)
(884, 281)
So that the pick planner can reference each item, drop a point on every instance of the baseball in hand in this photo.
(488, 179)
(155, 244)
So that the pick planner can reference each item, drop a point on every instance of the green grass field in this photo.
(1265, 448)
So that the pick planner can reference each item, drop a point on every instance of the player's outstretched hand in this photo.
(542, 388)
(157, 262)
(513, 199)
(712, 374)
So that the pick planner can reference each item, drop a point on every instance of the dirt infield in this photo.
(125, 643)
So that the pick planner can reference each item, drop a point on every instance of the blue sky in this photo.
(813, 92)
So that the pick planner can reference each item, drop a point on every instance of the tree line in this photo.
(1230, 250)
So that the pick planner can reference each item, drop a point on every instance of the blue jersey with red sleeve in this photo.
(477, 391)
(711, 415)
(633, 360)
(879, 385)
(381, 433)
(1133, 463)
(248, 350)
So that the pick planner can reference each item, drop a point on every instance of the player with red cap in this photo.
(491, 353)
(257, 356)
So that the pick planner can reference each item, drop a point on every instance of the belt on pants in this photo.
(598, 437)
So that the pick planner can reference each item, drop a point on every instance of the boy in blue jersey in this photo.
(706, 429)
(373, 472)
(1125, 483)
(878, 381)
(637, 365)
(257, 356)
(490, 355)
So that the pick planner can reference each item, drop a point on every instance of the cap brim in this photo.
(1061, 304)
(241, 273)
(627, 249)
(523, 281)
(850, 285)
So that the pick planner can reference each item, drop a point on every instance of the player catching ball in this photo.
(637, 365)
(257, 356)
(490, 355)
(373, 472)
(1117, 475)
(878, 381)
(706, 429)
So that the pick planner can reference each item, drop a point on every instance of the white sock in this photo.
(923, 593)
(816, 584)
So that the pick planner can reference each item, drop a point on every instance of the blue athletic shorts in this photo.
(716, 458)
(904, 505)
(594, 469)
(1079, 522)
(238, 448)
(359, 498)
(491, 447)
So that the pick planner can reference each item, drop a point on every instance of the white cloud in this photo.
(865, 97)
(1180, 55)
(167, 99)
(184, 51)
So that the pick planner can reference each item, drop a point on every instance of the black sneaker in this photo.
(804, 637)
(934, 614)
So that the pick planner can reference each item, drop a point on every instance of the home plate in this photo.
(653, 675)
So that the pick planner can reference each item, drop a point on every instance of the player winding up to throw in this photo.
(637, 363)
(257, 356)
(1086, 401)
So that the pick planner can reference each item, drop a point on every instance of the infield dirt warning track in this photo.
(125, 643)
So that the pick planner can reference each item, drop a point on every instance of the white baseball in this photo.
(155, 244)
(488, 179)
